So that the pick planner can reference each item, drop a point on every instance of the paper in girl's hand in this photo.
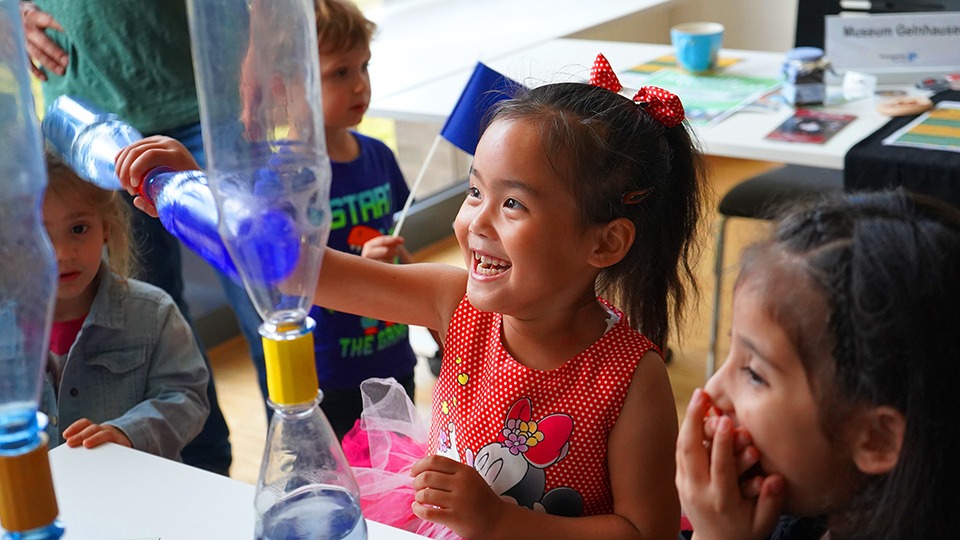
(382, 448)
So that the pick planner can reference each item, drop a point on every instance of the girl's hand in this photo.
(454, 495)
(708, 480)
(139, 158)
(386, 249)
(746, 454)
(92, 435)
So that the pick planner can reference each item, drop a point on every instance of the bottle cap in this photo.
(143, 189)
(289, 356)
(804, 54)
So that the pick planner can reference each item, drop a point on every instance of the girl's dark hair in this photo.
(605, 147)
(888, 265)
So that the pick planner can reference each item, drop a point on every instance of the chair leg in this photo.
(718, 286)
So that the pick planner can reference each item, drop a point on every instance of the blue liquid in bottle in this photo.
(267, 246)
(89, 139)
(314, 512)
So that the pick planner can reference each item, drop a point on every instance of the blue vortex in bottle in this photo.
(313, 512)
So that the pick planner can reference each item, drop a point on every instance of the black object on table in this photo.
(870, 165)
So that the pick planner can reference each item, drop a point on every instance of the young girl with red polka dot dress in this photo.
(553, 415)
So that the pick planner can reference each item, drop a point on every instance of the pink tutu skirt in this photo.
(382, 448)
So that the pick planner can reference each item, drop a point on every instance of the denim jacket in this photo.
(134, 365)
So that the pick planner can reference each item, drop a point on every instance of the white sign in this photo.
(894, 43)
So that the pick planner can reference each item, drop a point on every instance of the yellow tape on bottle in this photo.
(27, 499)
(291, 371)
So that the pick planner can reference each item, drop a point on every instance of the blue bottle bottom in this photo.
(314, 512)
(53, 531)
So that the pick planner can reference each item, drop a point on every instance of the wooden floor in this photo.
(244, 407)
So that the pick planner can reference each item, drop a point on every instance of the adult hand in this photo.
(40, 47)
(90, 435)
(139, 158)
(708, 481)
(454, 495)
(386, 249)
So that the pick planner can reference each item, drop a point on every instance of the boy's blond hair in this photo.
(108, 205)
(341, 26)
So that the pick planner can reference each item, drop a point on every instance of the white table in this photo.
(740, 135)
(115, 493)
(419, 41)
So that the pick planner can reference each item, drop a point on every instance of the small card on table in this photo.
(810, 126)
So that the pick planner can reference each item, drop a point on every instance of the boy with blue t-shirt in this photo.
(364, 194)
(367, 188)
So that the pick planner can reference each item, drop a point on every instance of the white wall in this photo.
(766, 25)
(650, 26)
(750, 24)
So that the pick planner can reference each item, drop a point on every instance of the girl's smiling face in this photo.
(765, 388)
(519, 229)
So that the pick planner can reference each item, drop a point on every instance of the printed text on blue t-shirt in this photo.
(353, 347)
(360, 207)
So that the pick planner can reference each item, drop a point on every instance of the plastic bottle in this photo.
(306, 489)
(262, 117)
(28, 281)
(187, 209)
(88, 138)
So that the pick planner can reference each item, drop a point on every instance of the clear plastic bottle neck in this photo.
(297, 411)
(20, 429)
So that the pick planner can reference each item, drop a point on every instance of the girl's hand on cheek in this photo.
(454, 495)
(747, 455)
(709, 473)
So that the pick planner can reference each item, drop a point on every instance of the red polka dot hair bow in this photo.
(662, 105)
(602, 75)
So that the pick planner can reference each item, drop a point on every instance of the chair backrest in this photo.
(810, 13)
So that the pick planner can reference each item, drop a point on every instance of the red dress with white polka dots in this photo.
(537, 437)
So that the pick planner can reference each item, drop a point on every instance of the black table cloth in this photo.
(870, 165)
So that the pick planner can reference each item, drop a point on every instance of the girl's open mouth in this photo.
(489, 266)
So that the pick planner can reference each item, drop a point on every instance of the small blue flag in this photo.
(485, 89)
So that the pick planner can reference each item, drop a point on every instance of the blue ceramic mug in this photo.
(696, 45)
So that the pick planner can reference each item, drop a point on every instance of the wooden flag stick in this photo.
(413, 189)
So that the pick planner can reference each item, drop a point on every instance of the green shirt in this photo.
(130, 57)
